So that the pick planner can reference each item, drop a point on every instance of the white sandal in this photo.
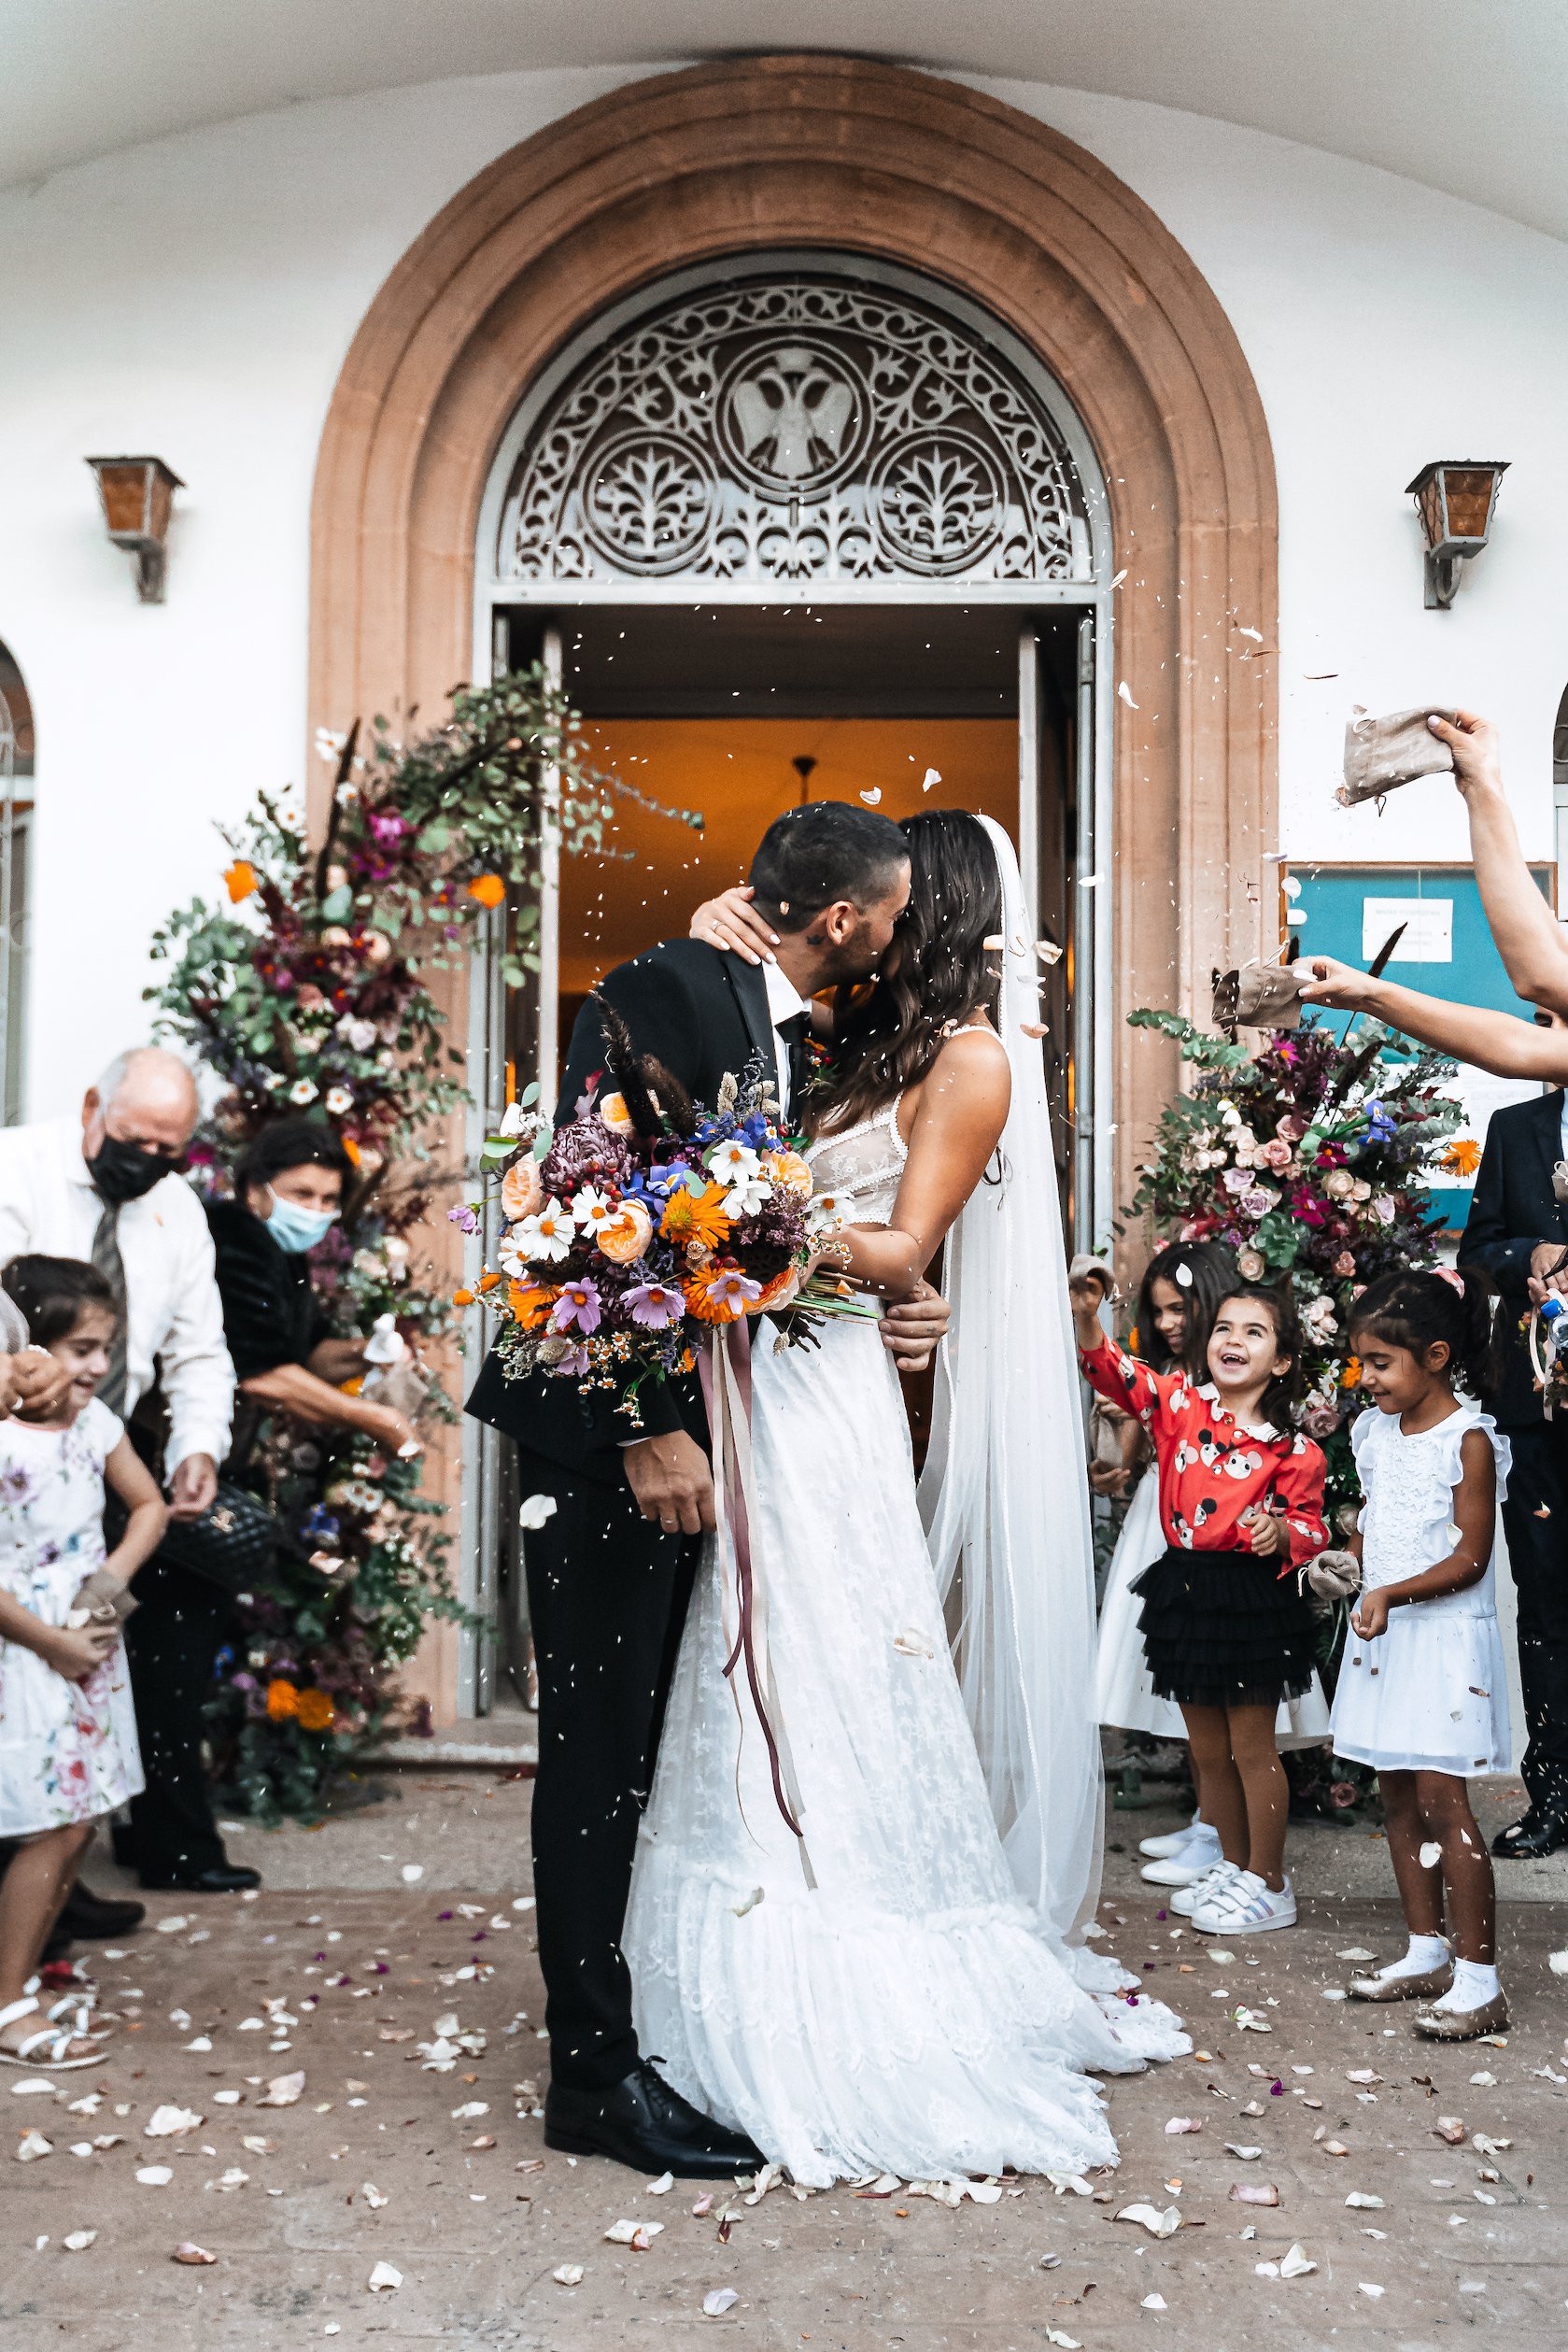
(54, 2039)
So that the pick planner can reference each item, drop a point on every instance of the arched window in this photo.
(16, 819)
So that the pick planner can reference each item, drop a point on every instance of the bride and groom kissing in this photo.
(923, 2002)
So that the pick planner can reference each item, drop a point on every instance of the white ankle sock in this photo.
(1201, 1835)
(1474, 1984)
(1424, 1954)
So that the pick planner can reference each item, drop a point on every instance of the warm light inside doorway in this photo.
(740, 774)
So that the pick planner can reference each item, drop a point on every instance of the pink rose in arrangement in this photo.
(1257, 1203)
(1275, 1153)
(1382, 1208)
(1237, 1180)
(1345, 1265)
(1250, 1266)
(1319, 1421)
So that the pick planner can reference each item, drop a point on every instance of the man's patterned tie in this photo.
(107, 1258)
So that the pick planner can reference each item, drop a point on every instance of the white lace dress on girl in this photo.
(1431, 1694)
(912, 2013)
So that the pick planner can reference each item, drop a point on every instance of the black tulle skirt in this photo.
(1224, 1629)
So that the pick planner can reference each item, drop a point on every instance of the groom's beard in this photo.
(854, 959)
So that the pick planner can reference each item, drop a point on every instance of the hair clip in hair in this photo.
(1451, 1276)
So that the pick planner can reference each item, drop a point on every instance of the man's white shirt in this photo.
(173, 1314)
(783, 1001)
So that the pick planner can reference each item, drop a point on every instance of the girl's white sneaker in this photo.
(1185, 1901)
(1183, 1868)
(1246, 1906)
(1162, 1848)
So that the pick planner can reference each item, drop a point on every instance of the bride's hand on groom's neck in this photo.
(732, 923)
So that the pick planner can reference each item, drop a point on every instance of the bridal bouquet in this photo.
(638, 1228)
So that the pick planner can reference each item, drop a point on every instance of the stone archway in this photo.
(827, 151)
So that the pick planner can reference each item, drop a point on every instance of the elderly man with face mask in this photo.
(110, 1190)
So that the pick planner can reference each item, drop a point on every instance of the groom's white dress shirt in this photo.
(174, 1315)
(783, 1001)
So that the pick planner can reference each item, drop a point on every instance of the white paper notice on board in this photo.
(1429, 929)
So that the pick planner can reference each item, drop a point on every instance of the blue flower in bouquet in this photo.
(320, 1525)
(1380, 1128)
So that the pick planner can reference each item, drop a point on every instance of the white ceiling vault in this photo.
(1466, 95)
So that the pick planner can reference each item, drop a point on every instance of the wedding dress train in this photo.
(913, 2012)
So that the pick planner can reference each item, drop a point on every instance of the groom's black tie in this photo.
(795, 1030)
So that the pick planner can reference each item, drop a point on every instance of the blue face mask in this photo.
(296, 1229)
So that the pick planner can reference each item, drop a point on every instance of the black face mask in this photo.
(123, 1171)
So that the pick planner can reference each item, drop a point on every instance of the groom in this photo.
(610, 1572)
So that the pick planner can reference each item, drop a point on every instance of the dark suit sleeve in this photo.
(1489, 1240)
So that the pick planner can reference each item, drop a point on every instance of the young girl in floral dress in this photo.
(1225, 1629)
(1423, 1691)
(68, 1752)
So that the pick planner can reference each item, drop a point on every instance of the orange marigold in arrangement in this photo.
(489, 889)
(316, 1711)
(1463, 1156)
(241, 879)
(530, 1302)
(1350, 1376)
(283, 1700)
(696, 1217)
(707, 1309)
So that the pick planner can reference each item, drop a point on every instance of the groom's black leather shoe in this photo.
(641, 2122)
(1538, 1834)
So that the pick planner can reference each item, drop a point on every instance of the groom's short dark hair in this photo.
(828, 850)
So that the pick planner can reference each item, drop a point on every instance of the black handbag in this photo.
(232, 1545)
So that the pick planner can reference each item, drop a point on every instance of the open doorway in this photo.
(741, 712)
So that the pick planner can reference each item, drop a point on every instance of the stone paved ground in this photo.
(478, 2216)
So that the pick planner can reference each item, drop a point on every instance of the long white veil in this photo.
(1004, 1495)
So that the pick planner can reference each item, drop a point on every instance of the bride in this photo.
(927, 2005)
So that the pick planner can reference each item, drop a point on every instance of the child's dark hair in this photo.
(1416, 1310)
(1211, 1273)
(1283, 1394)
(51, 1293)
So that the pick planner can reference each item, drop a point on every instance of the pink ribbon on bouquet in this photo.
(726, 1371)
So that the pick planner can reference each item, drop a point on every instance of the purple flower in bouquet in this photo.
(655, 1305)
(464, 1218)
(1380, 1126)
(577, 1308)
(733, 1292)
(585, 1151)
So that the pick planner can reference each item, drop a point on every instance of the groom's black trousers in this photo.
(608, 1595)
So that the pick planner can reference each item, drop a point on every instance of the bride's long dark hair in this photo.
(889, 1031)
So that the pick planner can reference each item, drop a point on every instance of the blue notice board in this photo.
(1447, 950)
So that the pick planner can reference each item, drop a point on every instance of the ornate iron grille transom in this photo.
(795, 429)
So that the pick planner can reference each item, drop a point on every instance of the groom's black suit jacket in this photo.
(704, 1014)
(1514, 1208)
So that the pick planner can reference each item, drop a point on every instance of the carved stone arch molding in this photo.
(834, 152)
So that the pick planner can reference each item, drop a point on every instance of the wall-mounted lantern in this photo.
(138, 495)
(1456, 501)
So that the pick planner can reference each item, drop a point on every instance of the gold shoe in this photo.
(1428, 1986)
(1465, 2025)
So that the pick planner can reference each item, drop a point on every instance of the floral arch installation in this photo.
(795, 426)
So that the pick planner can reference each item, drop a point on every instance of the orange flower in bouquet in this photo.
(521, 1191)
(283, 1700)
(531, 1303)
(720, 1293)
(316, 1711)
(702, 1217)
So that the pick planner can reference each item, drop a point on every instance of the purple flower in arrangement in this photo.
(577, 1308)
(574, 1364)
(466, 1219)
(1380, 1126)
(655, 1305)
(388, 827)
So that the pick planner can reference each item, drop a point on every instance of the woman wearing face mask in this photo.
(288, 1192)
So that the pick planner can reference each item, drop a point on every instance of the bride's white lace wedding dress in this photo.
(912, 2013)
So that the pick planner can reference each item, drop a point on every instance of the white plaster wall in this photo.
(195, 298)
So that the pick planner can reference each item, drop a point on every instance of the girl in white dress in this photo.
(1422, 1694)
(68, 1752)
(921, 2003)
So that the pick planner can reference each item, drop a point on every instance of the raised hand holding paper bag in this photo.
(1381, 752)
(1260, 995)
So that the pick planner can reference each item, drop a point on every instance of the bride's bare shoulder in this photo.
(971, 1080)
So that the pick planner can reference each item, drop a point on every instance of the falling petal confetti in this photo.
(155, 2175)
(1431, 1855)
(1294, 2265)
(32, 2147)
(384, 2279)
(165, 2121)
(1364, 2202)
(194, 2257)
(1153, 2302)
(536, 1511)
(1180, 2123)
(933, 775)
(374, 2197)
(721, 2300)
(411, 1873)
(282, 2090)
(1246, 2192)
(1124, 694)
(872, 796)
(568, 2275)
(1159, 2225)
(79, 2240)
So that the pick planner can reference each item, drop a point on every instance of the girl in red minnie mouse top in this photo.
(1226, 1630)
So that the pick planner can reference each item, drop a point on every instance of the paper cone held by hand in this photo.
(1380, 752)
(1260, 995)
